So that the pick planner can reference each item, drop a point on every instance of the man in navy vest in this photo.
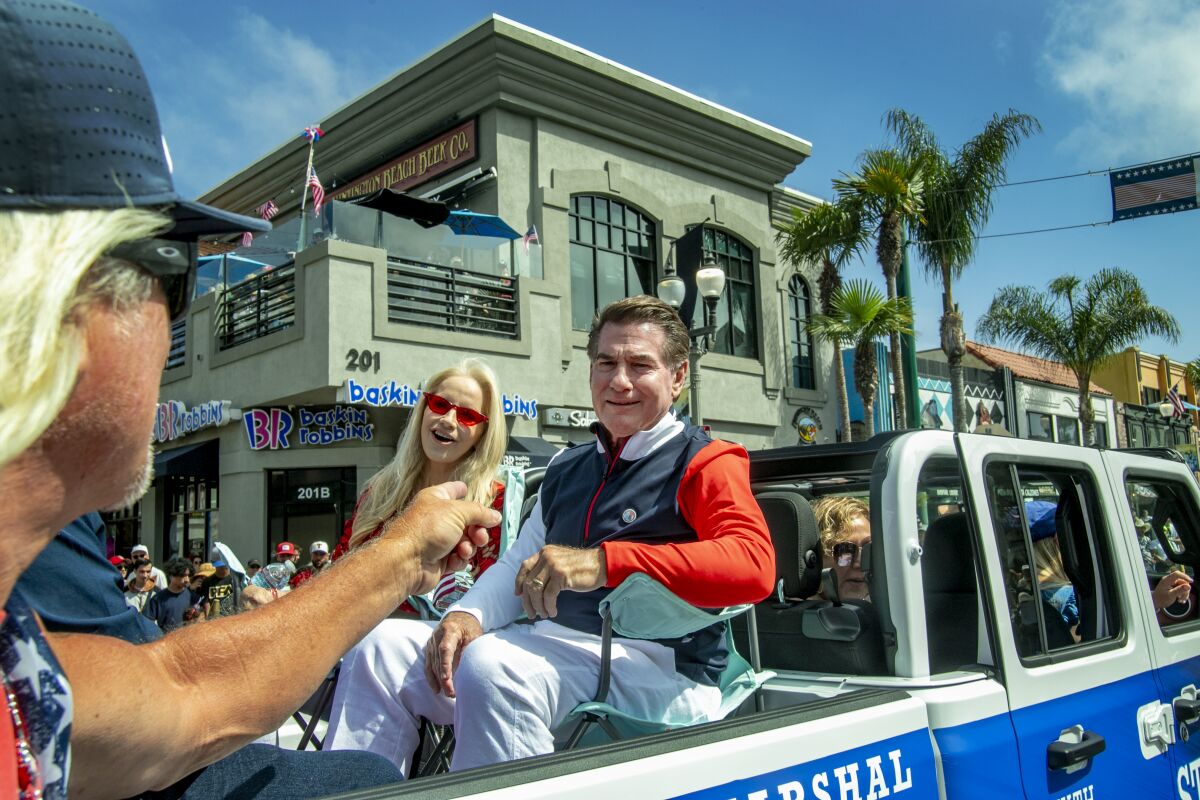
(650, 495)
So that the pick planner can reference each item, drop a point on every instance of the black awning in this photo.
(529, 451)
(198, 460)
(425, 213)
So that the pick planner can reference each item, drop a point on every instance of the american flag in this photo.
(530, 237)
(268, 210)
(1176, 401)
(318, 191)
(1151, 189)
(313, 133)
(247, 238)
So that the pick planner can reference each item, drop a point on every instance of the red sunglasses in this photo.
(468, 417)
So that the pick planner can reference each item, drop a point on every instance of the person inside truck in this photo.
(651, 495)
(845, 526)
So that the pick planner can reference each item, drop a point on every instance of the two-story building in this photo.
(292, 377)
(1140, 382)
(1012, 393)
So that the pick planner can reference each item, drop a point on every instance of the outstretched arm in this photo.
(248, 663)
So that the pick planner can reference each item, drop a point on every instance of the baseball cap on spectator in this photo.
(319, 547)
(205, 570)
(218, 558)
(253, 564)
(118, 158)
(117, 561)
(285, 549)
(139, 548)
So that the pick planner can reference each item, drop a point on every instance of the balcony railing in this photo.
(177, 355)
(452, 299)
(257, 306)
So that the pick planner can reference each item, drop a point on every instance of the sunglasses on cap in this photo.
(468, 417)
(172, 262)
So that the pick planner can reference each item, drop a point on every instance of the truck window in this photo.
(1054, 552)
(1165, 519)
(948, 574)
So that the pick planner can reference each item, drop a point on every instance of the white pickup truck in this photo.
(958, 678)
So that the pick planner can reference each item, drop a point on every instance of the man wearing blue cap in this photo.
(97, 255)
(222, 591)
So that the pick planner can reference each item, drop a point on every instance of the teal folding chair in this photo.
(642, 608)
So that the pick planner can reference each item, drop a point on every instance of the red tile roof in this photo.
(1030, 368)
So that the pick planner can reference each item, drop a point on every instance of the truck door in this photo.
(1162, 534)
(1073, 648)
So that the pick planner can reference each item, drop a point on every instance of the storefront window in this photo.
(124, 528)
(1100, 431)
(800, 343)
(612, 255)
(1137, 434)
(1068, 430)
(192, 521)
(1040, 426)
(304, 505)
(737, 311)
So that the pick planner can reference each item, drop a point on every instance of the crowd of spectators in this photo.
(190, 589)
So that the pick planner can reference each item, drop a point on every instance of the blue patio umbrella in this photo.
(468, 223)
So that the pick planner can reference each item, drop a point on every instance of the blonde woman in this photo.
(845, 526)
(456, 432)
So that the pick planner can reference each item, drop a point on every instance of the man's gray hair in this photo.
(643, 308)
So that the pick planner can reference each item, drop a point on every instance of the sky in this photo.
(1112, 82)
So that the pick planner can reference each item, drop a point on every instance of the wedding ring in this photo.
(537, 583)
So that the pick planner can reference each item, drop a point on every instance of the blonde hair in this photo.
(51, 267)
(834, 514)
(1048, 557)
(391, 489)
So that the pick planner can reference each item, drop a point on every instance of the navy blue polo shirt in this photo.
(75, 589)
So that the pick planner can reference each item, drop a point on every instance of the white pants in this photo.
(515, 686)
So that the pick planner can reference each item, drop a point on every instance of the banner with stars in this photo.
(1150, 189)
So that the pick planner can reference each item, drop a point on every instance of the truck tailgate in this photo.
(872, 743)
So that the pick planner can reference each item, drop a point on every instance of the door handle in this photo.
(1187, 709)
(1061, 755)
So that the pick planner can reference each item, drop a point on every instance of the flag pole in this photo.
(312, 142)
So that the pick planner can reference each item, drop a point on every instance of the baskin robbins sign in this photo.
(401, 394)
(174, 420)
(273, 428)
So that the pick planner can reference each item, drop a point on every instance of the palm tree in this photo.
(830, 232)
(860, 315)
(958, 202)
(888, 189)
(1080, 324)
(1191, 371)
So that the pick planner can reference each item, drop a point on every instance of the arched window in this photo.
(737, 312)
(612, 255)
(800, 343)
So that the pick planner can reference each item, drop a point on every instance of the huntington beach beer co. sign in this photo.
(427, 160)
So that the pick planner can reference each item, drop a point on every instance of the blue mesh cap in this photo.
(78, 125)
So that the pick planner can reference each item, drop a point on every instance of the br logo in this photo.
(267, 428)
(807, 422)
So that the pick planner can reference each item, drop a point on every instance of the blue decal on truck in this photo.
(902, 765)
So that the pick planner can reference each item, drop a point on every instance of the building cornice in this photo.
(500, 63)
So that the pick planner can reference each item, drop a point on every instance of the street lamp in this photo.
(710, 283)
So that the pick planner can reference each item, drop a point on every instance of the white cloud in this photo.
(1002, 44)
(1135, 67)
(228, 101)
